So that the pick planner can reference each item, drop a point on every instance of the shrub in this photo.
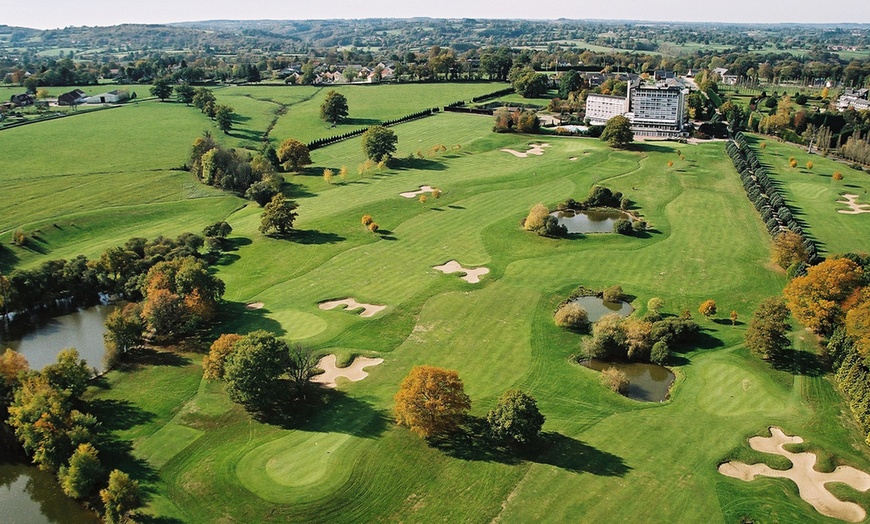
(19, 238)
(655, 305)
(366, 220)
(837, 175)
(552, 228)
(708, 308)
(659, 353)
(612, 294)
(535, 219)
(615, 380)
(373, 227)
(623, 227)
(570, 315)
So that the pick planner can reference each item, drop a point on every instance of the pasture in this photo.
(605, 458)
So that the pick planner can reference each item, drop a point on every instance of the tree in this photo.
(12, 363)
(516, 418)
(219, 230)
(767, 333)
(120, 497)
(708, 308)
(659, 353)
(837, 176)
(334, 108)
(303, 362)
(124, 329)
(253, 369)
(816, 298)
(379, 143)
(570, 315)
(536, 217)
(615, 380)
(788, 249)
(69, 373)
(278, 214)
(162, 89)
(213, 362)
(164, 312)
(431, 401)
(293, 154)
(617, 132)
(84, 472)
(530, 84)
(185, 93)
(203, 98)
(612, 294)
(810, 165)
(223, 115)
(569, 82)
(792, 163)
(733, 317)
(655, 305)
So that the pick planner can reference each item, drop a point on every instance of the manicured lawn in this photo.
(605, 459)
(815, 194)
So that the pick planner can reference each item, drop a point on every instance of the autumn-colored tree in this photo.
(120, 498)
(708, 308)
(366, 220)
(815, 299)
(165, 313)
(612, 294)
(436, 193)
(535, 219)
(572, 316)
(84, 472)
(328, 175)
(615, 380)
(12, 363)
(213, 362)
(858, 325)
(342, 173)
(373, 227)
(793, 163)
(422, 199)
(733, 317)
(767, 334)
(638, 338)
(837, 176)
(763, 145)
(788, 249)
(810, 165)
(655, 305)
(431, 401)
(293, 154)
(670, 163)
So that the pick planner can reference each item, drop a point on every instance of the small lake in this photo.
(597, 307)
(647, 382)
(589, 221)
(40, 338)
(31, 496)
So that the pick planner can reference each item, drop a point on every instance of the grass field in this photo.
(606, 458)
(815, 194)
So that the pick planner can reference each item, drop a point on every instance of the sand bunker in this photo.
(852, 202)
(573, 158)
(254, 305)
(412, 194)
(534, 149)
(351, 304)
(810, 483)
(472, 276)
(353, 372)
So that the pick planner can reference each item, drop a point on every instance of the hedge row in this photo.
(322, 142)
(765, 196)
(494, 94)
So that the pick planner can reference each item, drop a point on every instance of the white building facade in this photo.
(601, 108)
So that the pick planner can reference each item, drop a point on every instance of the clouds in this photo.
(54, 13)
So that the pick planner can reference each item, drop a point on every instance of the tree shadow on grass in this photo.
(325, 410)
(401, 164)
(151, 519)
(472, 442)
(146, 356)
(234, 243)
(118, 414)
(237, 317)
(799, 362)
(8, 259)
(313, 237)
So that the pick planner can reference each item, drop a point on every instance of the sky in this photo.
(50, 14)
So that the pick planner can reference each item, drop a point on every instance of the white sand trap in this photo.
(412, 194)
(254, 305)
(534, 149)
(573, 158)
(351, 304)
(353, 372)
(810, 483)
(852, 202)
(472, 276)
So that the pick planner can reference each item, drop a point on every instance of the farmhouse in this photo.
(22, 100)
(112, 97)
(71, 98)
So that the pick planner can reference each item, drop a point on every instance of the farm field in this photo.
(605, 458)
(815, 194)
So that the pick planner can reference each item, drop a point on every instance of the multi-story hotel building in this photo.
(654, 110)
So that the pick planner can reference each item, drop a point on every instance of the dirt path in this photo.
(810, 483)
(353, 372)
(472, 276)
(349, 304)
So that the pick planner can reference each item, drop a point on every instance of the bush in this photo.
(623, 227)
(612, 294)
(708, 308)
(366, 220)
(570, 315)
(535, 218)
(615, 380)
(516, 418)
(659, 353)
(552, 228)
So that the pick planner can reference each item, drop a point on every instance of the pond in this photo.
(647, 382)
(31, 496)
(589, 221)
(598, 307)
(41, 338)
